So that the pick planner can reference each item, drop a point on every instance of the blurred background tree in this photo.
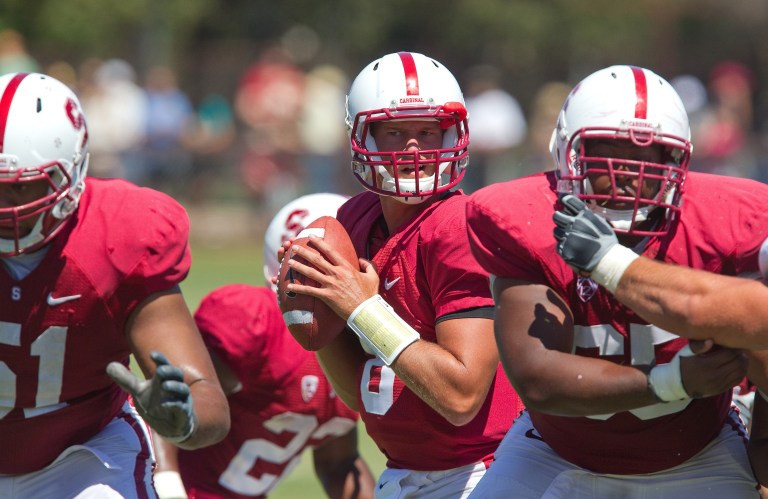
(209, 42)
(532, 46)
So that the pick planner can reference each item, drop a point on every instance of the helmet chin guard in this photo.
(410, 87)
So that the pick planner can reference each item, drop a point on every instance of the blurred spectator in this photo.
(326, 145)
(692, 92)
(545, 108)
(169, 126)
(724, 136)
(65, 73)
(211, 145)
(116, 109)
(269, 102)
(496, 126)
(13, 54)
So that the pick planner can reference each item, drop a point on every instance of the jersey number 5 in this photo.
(49, 348)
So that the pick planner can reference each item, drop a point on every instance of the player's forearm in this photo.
(212, 411)
(571, 385)
(359, 483)
(166, 454)
(439, 379)
(697, 304)
(354, 481)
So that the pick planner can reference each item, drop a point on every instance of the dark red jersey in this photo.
(285, 405)
(426, 273)
(64, 322)
(721, 227)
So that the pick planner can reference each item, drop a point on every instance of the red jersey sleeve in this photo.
(147, 235)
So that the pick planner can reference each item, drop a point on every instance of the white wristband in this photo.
(611, 267)
(666, 380)
(762, 394)
(168, 485)
(380, 329)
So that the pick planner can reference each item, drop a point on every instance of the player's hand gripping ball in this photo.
(311, 322)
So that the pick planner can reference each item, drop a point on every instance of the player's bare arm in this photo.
(533, 328)
(163, 324)
(341, 470)
(697, 304)
(453, 375)
(166, 478)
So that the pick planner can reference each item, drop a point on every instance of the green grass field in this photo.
(242, 263)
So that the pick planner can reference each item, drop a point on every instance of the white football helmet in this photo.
(290, 220)
(43, 136)
(407, 86)
(630, 104)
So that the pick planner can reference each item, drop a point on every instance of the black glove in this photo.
(164, 401)
(583, 238)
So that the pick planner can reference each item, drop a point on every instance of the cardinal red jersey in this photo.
(721, 227)
(285, 404)
(426, 273)
(64, 322)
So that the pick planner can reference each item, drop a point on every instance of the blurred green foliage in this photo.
(532, 41)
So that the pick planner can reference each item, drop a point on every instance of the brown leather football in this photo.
(311, 322)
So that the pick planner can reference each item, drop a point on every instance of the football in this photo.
(311, 322)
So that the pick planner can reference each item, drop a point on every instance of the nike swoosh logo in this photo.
(533, 434)
(52, 302)
(388, 285)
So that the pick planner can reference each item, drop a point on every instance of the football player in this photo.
(701, 305)
(421, 366)
(90, 275)
(628, 410)
(279, 399)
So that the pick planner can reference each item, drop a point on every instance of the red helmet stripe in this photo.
(641, 91)
(5, 103)
(411, 77)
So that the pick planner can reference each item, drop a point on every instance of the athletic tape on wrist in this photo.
(168, 485)
(611, 267)
(666, 381)
(381, 329)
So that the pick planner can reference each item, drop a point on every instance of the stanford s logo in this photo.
(77, 119)
(309, 386)
(74, 114)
